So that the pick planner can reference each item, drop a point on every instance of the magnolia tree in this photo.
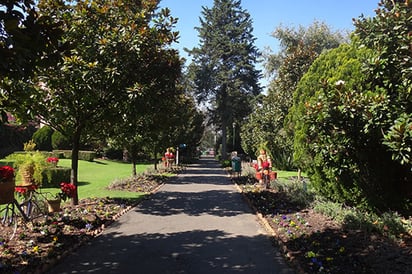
(28, 40)
(108, 49)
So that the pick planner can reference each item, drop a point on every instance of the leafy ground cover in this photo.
(314, 242)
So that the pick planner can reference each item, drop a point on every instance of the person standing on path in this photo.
(197, 223)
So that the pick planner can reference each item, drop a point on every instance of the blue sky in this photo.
(268, 14)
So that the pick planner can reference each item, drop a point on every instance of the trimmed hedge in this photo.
(67, 154)
(53, 176)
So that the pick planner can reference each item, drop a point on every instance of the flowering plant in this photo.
(24, 191)
(68, 190)
(6, 173)
(53, 160)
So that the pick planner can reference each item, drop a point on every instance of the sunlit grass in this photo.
(94, 177)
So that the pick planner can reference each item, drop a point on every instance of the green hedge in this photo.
(67, 154)
(53, 176)
(6, 163)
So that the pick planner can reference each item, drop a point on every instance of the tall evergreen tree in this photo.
(223, 66)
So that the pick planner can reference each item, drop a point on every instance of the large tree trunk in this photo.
(75, 166)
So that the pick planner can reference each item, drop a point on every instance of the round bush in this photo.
(59, 141)
(42, 138)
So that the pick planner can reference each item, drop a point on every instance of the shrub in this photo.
(113, 154)
(87, 155)
(226, 163)
(43, 138)
(59, 141)
(53, 176)
(67, 154)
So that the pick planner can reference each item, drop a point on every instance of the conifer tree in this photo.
(223, 65)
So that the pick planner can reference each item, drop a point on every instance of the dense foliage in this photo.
(266, 125)
(115, 55)
(351, 112)
(43, 138)
(28, 41)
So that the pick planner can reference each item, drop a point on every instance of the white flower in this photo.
(339, 83)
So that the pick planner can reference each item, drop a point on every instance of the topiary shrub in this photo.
(42, 138)
(59, 141)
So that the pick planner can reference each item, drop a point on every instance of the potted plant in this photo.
(7, 184)
(30, 167)
(67, 190)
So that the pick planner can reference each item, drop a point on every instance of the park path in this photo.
(196, 224)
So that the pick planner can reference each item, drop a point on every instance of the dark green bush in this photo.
(42, 138)
(59, 141)
(13, 137)
(339, 122)
(113, 154)
(87, 155)
(53, 176)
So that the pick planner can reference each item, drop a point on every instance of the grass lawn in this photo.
(94, 177)
(287, 174)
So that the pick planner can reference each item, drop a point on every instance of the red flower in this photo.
(24, 189)
(53, 160)
(68, 190)
(6, 173)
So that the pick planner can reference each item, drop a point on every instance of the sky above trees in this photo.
(268, 14)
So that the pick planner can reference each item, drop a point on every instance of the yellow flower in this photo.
(36, 249)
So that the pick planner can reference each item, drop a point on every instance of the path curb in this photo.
(269, 229)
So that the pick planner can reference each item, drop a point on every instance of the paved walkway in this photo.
(197, 224)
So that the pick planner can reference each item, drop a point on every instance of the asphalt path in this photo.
(196, 224)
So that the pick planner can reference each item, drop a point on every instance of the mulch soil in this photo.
(314, 243)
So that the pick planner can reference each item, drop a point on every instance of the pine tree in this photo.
(223, 66)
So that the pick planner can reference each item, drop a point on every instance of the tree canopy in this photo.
(267, 125)
(223, 66)
(114, 51)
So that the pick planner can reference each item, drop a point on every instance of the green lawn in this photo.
(95, 176)
(287, 174)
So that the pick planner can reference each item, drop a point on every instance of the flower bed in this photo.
(34, 247)
(314, 243)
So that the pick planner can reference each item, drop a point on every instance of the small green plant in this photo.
(226, 163)
(332, 209)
